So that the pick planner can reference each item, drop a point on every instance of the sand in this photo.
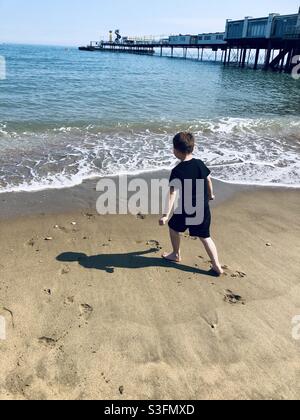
(93, 312)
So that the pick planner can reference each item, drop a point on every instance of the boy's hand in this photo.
(163, 221)
(212, 198)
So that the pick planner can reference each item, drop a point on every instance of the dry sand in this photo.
(95, 313)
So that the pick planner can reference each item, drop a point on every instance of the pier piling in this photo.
(257, 54)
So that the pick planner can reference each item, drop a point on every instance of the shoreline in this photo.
(84, 196)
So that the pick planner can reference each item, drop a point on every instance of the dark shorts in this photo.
(178, 223)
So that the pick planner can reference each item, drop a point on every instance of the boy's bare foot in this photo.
(172, 257)
(218, 270)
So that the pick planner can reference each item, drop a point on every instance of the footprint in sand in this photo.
(19, 383)
(48, 341)
(235, 274)
(105, 378)
(86, 311)
(191, 238)
(239, 274)
(65, 270)
(233, 298)
(61, 228)
(155, 244)
(140, 216)
(69, 301)
(31, 242)
(48, 292)
(89, 215)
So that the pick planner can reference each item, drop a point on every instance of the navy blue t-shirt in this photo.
(192, 170)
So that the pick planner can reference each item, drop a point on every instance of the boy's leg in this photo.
(175, 239)
(212, 252)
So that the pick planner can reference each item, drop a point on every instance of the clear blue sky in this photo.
(76, 22)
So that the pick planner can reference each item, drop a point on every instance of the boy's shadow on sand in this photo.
(134, 260)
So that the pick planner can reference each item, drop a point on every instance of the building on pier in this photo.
(217, 38)
(272, 27)
(183, 40)
(278, 36)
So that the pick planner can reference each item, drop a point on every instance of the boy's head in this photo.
(184, 145)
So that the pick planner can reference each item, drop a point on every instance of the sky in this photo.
(76, 22)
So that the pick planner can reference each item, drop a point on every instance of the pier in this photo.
(270, 43)
(181, 44)
(120, 48)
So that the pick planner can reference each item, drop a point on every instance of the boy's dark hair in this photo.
(184, 143)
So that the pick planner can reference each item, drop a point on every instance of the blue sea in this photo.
(67, 115)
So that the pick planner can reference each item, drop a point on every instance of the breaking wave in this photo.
(249, 151)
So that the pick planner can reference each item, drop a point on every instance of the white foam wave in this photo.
(243, 151)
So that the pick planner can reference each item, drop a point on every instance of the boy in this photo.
(190, 169)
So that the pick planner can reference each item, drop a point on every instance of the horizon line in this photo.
(32, 44)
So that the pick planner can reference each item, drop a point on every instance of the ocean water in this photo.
(67, 115)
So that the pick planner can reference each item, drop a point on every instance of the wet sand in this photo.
(83, 197)
(93, 312)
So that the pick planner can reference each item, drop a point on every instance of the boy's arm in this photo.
(172, 197)
(211, 195)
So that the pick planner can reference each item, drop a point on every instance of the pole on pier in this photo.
(225, 58)
(161, 51)
(249, 57)
(198, 53)
(224, 52)
(240, 57)
(244, 55)
(268, 57)
(172, 52)
(229, 56)
(202, 53)
(256, 59)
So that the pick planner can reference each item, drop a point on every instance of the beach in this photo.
(88, 308)
(93, 312)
